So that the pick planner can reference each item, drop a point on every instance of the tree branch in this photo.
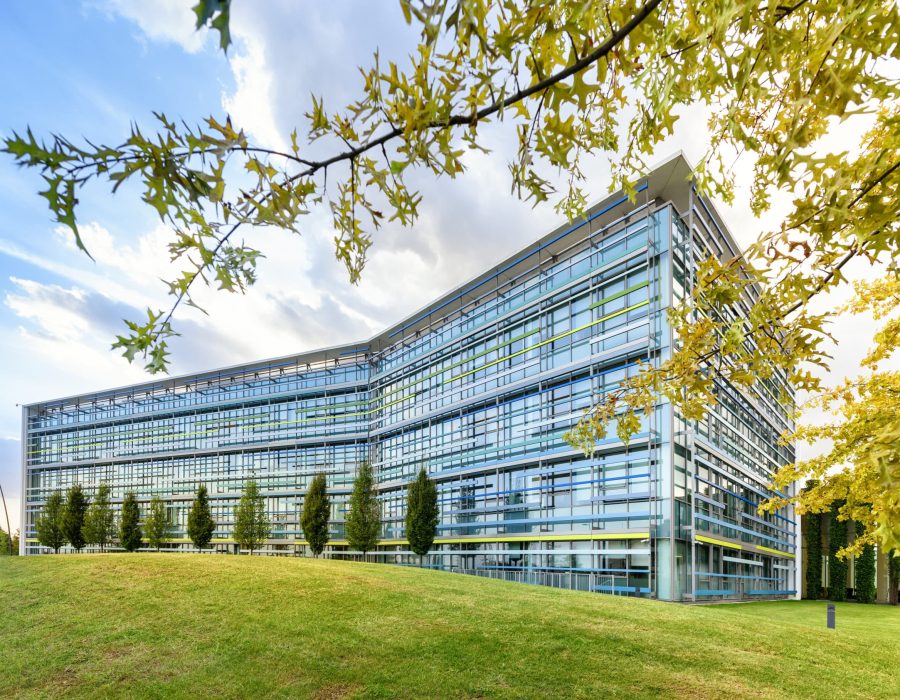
(602, 51)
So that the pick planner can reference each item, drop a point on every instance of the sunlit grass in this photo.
(222, 626)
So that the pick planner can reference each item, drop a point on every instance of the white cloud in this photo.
(162, 20)
(282, 53)
(53, 309)
(76, 267)
(250, 105)
(407, 269)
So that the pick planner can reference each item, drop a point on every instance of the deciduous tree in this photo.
(130, 524)
(316, 511)
(364, 512)
(812, 542)
(156, 525)
(50, 524)
(200, 523)
(74, 510)
(865, 570)
(837, 566)
(251, 522)
(893, 576)
(100, 520)
(9, 546)
(422, 514)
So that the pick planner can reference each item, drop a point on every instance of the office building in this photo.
(478, 387)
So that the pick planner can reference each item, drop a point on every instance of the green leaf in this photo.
(217, 13)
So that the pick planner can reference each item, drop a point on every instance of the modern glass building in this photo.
(478, 387)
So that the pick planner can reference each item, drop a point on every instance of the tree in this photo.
(364, 512)
(576, 80)
(9, 546)
(200, 523)
(251, 524)
(422, 514)
(893, 576)
(100, 520)
(316, 511)
(865, 571)
(129, 524)
(156, 524)
(837, 566)
(74, 510)
(49, 525)
(860, 470)
(813, 544)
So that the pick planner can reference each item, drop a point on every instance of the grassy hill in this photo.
(219, 626)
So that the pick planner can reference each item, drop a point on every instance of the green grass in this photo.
(220, 626)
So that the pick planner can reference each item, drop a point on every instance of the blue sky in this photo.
(81, 69)
(92, 67)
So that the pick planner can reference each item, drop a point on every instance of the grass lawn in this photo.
(145, 625)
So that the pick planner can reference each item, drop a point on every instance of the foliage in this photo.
(129, 524)
(9, 546)
(200, 523)
(49, 525)
(865, 570)
(316, 511)
(100, 520)
(837, 566)
(422, 514)
(216, 13)
(573, 80)
(863, 466)
(251, 524)
(813, 544)
(893, 575)
(74, 511)
(157, 528)
(364, 512)
(750, 320)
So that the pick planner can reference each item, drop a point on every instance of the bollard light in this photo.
(831, 616)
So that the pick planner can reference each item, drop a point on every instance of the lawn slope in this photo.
(235, 627)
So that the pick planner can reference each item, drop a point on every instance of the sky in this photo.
(91, 68)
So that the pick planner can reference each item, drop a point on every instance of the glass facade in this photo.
(478, 388)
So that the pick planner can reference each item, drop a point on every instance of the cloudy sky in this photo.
(92, 67)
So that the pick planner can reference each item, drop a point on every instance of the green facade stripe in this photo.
(529, 302)
(76, 442)
(549, 340)
(301, 421)
(618, 295)
(463, 361)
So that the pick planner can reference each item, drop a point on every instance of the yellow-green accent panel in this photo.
(713, 540)
(550, 538)
(768, 550)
